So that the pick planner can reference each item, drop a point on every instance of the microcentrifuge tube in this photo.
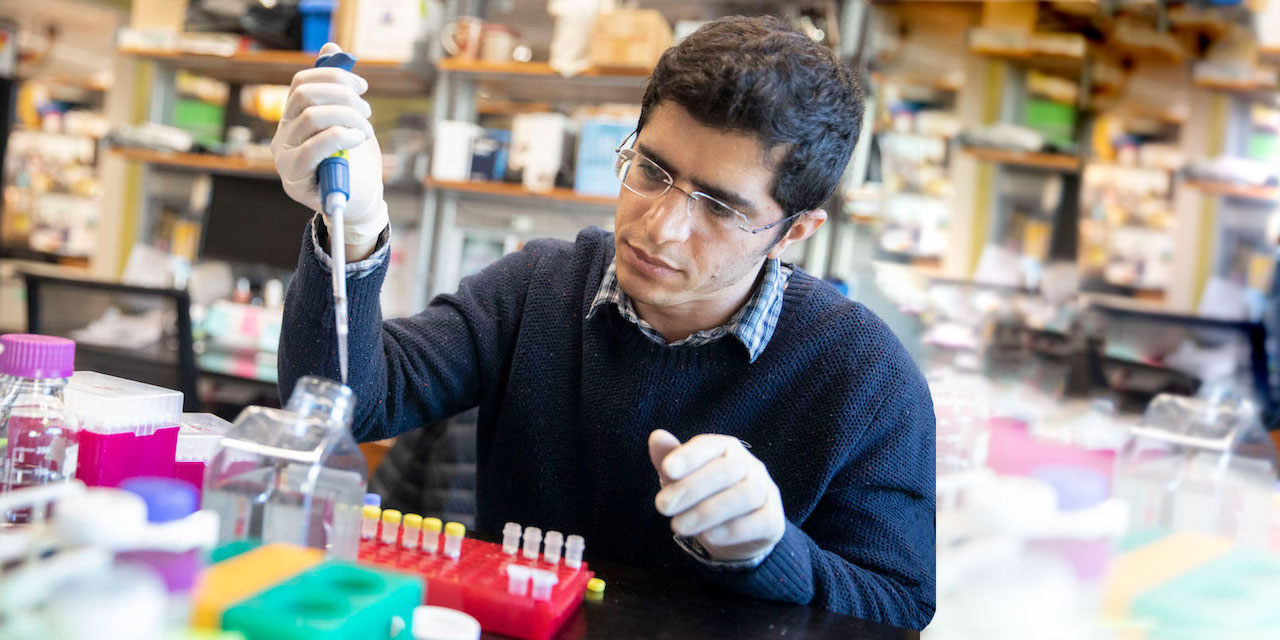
(431, 534)
(511, 538)
(373, 500)
(390, 526)
(551, 546)
(543, 581)
(369, 518)
(517, 579)
(410, 530)
(532, 542)
(453, 533)
(573, 546)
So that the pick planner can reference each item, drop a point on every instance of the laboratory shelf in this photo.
(1050, 161)
(1230, 190)
(538, 82)
(278, 67)
(197, 161)
(509, 190)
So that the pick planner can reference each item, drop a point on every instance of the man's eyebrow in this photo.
(724, 195)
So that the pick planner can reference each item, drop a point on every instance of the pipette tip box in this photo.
(127, 429)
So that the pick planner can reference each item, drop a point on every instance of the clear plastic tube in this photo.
(573, 548)
(511, 538)
(551, 546)
(532, 542)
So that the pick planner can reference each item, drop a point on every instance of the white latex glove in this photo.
(716, 491)
(325, 114)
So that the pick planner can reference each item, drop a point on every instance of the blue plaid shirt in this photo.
(752, 325)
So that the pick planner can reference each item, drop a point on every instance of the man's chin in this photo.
(640, 290)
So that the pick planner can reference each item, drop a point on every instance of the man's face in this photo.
(665, 257)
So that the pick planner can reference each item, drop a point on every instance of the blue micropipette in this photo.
(334, 178)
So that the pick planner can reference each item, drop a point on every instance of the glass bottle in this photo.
(38, 438)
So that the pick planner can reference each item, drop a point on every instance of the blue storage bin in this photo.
(317, 22)
(593, 173)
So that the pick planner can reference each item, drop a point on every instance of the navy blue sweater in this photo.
(834, 407)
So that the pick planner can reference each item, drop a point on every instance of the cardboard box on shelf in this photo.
(158, 15)
(385, 30)
(1009, 16)
(629, 38)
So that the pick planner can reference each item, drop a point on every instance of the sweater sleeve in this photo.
(867, 549)
(410, 371)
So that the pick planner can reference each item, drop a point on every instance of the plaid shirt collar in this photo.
(752, 325)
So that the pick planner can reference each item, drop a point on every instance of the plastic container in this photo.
(37, 432)
(1233, 596)
(1077, 489)
(1199, 464)
(127, 429)
(292, 475)
(168, 500)
(442, 623)
(198, 438)
(142, 529)
(594, 172)
(333, 601)
(316, 23)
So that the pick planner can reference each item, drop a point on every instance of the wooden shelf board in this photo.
(508, 190)
(537, 82)
(1235, 85)
(1052, 62)
(1250, 192)
(60, 260)
(534, 69)
(197, 161)
(1052, 161)
(278, 67)
(509, 108)
(220, 164)
(931, 82)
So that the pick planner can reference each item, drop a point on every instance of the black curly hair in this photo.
(759, 75)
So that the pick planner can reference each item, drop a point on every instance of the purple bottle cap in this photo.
(167, 498)
(1076, 487)
(32, 356)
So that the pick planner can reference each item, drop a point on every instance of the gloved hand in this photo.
(325, 114)
(715, 490)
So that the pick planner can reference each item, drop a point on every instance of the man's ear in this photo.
(806, 225)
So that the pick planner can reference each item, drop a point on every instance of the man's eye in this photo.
(719, 210)
(652, 172)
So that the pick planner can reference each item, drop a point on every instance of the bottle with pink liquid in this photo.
(38, 436)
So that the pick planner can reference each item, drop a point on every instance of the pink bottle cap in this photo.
(33, 356)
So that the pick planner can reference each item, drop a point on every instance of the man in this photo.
(671, 391)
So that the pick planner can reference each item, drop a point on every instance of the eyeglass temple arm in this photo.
(623, 144)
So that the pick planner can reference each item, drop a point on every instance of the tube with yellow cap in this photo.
(431, 534)
(369, 518)
(453, 533)
(409, 530)
(390, 526)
